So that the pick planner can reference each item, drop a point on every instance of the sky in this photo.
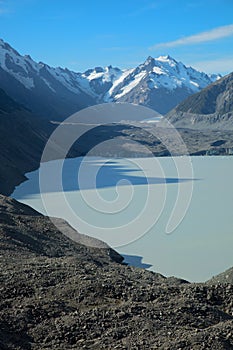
(83, 34)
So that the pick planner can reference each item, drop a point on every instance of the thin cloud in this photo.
(211, 35)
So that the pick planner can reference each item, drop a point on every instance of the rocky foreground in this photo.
(60, 294)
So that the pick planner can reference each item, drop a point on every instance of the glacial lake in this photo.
(128, 203)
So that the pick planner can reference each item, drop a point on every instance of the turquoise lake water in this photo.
(128, 203)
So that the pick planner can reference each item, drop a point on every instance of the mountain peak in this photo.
(160, 61)
(7, 47)
(166, 58)
(149, 59)
(28, 57)
(140, 84)
(149, 63)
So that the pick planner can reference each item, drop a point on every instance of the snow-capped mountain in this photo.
(47, 91)
(159, 83)
(102, 80)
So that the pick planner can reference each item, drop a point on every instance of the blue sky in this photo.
(81, 34)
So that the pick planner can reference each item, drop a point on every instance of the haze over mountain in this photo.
(211, 108)
(159, 83)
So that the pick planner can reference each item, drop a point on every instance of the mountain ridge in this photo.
(159, 83)
(211, 108)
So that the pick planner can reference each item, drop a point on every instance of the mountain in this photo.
(22, 140)
(159, 83)
(103, 80)
(211, 108)
(55, 93)
(46, 91)
(7, 104)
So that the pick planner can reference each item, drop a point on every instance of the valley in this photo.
(63, 286)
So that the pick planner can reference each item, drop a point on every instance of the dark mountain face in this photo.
(22, 140)
(7, 105)
(210, 108)
(217, 97)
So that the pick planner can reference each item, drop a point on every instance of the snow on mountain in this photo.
(117, 82)
(102, 81)
(156, 76)
(16, 65)
(24, 69)
(159, 83)
(165, 72)
(132, 84)
(47, 91)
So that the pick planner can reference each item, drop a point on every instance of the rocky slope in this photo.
(60, 294)
(223, 278)
(55, 93)
(212, 108)
(198, 142)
